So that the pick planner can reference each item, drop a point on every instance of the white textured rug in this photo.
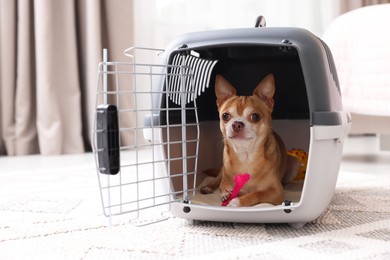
(47, 214)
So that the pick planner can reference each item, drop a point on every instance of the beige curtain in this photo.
(49, 52)
(348, 5)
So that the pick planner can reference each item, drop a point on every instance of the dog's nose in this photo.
(237, 126)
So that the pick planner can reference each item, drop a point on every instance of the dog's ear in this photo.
(223, 90)
(265, 90)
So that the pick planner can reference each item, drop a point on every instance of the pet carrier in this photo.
(157, 127)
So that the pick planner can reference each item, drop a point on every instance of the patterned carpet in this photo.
(46, 215)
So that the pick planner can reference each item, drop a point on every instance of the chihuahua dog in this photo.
(250, 146)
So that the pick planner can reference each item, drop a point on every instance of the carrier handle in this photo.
(129, 52)
(260, 21)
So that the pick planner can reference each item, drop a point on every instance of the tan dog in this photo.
(250, 145)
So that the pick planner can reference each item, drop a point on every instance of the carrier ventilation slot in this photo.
(191, 87)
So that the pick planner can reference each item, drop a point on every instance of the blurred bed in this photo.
(360, 43)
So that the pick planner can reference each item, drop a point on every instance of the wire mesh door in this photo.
(145, 145)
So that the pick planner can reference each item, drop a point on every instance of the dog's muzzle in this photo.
(238, 126)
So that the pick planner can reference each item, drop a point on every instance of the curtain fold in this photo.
(49, 55)
(90, 43)
(26, 139)
(8, 12)
(58, 89)
(348, 5)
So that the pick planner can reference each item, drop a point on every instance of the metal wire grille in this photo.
(156, 159)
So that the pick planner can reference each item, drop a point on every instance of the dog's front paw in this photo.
(225, 194)
(234, 203)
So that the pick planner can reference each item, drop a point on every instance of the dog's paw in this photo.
(234, 203)
(206, 190)
(225, 195)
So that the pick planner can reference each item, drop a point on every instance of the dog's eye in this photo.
(226, 117)
(255, 117)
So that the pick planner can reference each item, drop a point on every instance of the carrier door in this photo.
(145, 136)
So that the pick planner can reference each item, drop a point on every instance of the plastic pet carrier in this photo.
(157, 127)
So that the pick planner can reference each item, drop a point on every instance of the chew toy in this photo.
(239, 182)
(302, 156)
